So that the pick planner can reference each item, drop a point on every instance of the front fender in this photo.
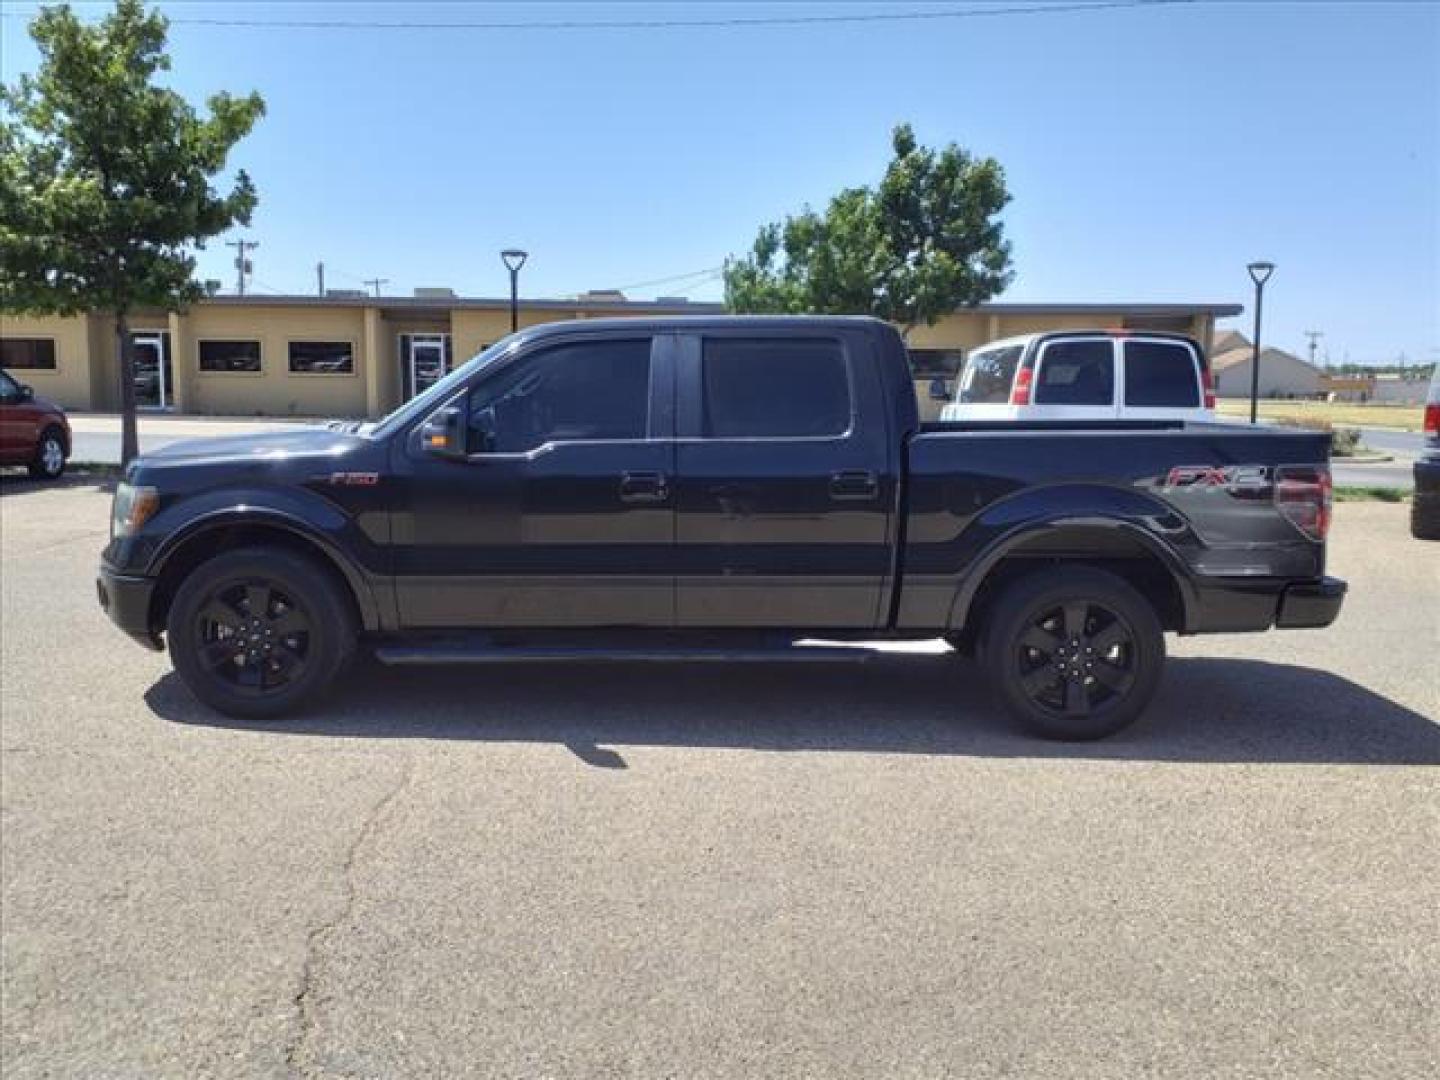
(305, 516)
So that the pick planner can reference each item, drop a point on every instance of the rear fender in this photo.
(1075, 522)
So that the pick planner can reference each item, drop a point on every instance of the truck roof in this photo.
(697, 322)
(1089, 331)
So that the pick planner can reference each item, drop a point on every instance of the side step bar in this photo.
(487, 652)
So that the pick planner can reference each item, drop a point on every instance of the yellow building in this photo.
(353, 356)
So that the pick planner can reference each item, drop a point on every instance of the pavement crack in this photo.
(297, 1052)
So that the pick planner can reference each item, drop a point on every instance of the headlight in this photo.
(133, 507)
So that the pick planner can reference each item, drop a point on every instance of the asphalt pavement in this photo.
(577, 871)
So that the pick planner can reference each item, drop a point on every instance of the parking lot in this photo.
(616, 871)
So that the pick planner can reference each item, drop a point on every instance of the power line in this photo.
(708, 272)
(730, 23)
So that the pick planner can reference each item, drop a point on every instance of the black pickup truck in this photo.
(715, 489)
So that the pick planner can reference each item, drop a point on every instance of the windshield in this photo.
(422, 403)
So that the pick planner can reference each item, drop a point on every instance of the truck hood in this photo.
(273, 446)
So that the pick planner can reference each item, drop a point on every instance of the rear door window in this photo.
(1161, 375)
(988, 375)
(1076, 373)
(774, 388)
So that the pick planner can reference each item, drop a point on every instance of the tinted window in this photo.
(945, 362)
(1076, 373)
(322, 357)
(775, 388)
(1161, 375)
(988, 375)
(29, 353)
(229, 356)
(586, 390)
(9, 388)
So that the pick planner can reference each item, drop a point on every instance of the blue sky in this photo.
(1151, 152)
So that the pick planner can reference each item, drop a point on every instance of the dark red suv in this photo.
(33, 431)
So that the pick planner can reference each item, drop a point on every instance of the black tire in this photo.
(260, 632)
(1425, 516)
(49, 460)
(1035, 647)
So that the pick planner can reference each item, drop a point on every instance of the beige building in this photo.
(1282, 375)
(361, 356)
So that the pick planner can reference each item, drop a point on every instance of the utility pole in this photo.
(1314, 336)
(242, 264)
(319, 279)
(376, 282)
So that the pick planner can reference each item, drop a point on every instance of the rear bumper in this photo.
(1310, 603)
(1237, 605)
(127, 601)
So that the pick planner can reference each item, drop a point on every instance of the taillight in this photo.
(1304, 495)
(1432, 419)
(1020, 392)
(1209, 382)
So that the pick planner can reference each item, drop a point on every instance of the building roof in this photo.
(687, 307)
(1231, 357)
(1225, 340)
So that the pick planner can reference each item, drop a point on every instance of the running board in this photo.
(487, 652)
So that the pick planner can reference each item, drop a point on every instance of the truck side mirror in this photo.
(939, 390)
(24, 393)
(443, 434)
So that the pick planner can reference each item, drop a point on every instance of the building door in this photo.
(426, 358)
(154, 378)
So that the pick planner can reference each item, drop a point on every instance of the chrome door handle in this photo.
(644, 487)
(854, 485)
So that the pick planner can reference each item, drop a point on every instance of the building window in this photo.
(229, 356)
(28, 354)
(322, 357)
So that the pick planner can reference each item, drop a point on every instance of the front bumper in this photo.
(1310, 603)
(127, 601)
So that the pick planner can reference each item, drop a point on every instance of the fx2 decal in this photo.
(1233, 478)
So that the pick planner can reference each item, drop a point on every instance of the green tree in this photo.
(924, 242)
(105, 178)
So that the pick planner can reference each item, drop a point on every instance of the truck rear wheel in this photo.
(1073, 653)
(260, 632)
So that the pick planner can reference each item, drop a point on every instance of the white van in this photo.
(1085, 375)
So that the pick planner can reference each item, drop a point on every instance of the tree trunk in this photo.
(129, 432)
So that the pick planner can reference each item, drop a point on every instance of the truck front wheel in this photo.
(1073, 653)
(259, 632)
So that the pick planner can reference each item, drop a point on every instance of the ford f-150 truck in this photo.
(715, 489)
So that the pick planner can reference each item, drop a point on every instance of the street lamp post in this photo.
(514, 259)
(1259, 273)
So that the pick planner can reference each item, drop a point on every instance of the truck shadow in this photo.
(1208, 710)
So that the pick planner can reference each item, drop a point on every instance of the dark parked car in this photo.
(715, 489)
(33, 431)
(1425, 510)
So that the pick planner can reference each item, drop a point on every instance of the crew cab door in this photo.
(785, 480)
(562, 512)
